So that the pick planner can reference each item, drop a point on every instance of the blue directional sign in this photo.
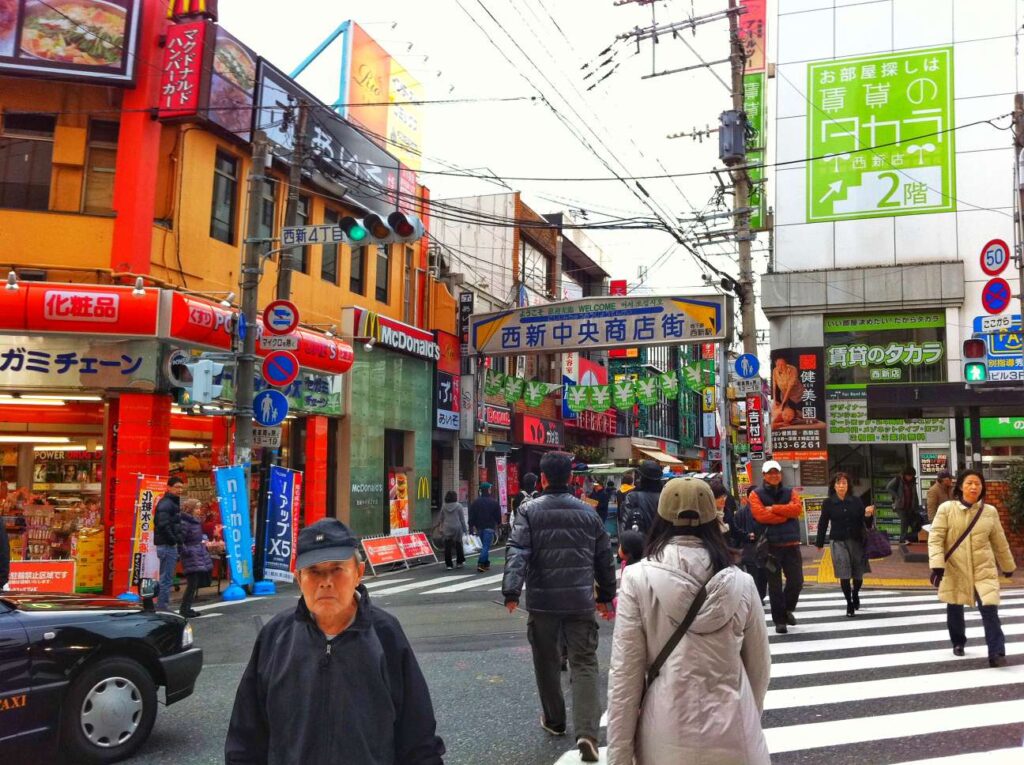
(242, 326)
(747, 366)
(270, 407)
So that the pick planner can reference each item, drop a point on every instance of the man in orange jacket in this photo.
(778, 508)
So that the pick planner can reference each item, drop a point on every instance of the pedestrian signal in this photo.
(974, 354)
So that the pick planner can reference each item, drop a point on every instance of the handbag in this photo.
(684, 625)
(876, 544)
(762, 552)
(967, 533)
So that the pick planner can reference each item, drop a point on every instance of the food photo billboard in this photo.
(87, 40)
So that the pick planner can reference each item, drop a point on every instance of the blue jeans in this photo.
(168, 555)
(486, 538)
(994, 638)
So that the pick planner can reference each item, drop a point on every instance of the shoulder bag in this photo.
(684, 625)
(967, 532)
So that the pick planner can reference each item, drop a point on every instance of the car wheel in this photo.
(108, 712)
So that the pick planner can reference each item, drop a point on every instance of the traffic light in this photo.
(353, 230)
(973, 357)
(407, 228)
(204, 374)
(378, 230)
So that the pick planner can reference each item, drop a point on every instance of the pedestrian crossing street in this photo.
(883, 688)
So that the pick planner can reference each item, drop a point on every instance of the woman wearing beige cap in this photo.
(690, 661)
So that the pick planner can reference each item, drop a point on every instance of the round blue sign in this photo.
(747, 366)
(995, 295)
(270, 407)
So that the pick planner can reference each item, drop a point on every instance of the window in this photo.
(329, 260)
(98, 195)
(268, 210)
(357, 281)
(535, 266)
(225, 198)
(383, 272)
(409, 294)
(302, 219)
(26, 160)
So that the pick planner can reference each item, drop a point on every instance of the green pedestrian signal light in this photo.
(974, 353)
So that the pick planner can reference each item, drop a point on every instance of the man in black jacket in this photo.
(484, 519)
(559, 547)
(167, 536)
(334, 680)
(640, 506)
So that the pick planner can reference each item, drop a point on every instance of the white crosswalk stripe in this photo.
(857, 697)
(487, 580)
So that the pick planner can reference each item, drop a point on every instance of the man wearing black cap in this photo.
(484, 519)
(334, 680)
(641, 505)
(558, 550)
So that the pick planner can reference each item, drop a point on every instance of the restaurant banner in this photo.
(798, 404)
(501, 473)
(398, 502)
(447, 402)
(382, 551)
(282, 523)
(145, 565)
(233, 496)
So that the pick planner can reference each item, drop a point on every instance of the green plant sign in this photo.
(881, 126)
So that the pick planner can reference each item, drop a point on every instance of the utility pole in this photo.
(741, 198)
(245, 370)
(291, 214)
(1018, 154)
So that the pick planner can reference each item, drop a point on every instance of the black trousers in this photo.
(580, 631)
(460, 555)
(910, 525)
(190, 591)
(994, 637)
(789, 563)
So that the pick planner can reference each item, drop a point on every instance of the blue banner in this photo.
(233, 496)
(282, 522)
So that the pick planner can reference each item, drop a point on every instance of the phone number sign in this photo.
(880, 127)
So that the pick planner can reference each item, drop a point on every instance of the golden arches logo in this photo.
(181, 8)
(423, 488)
(371, 325)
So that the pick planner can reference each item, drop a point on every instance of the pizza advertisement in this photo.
(232, 85)
(85, 40)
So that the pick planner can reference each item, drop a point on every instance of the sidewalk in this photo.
(885, 572)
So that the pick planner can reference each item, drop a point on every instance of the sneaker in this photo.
(790, 619)
(449, 568)
(480, 569)
(554, 730)
(460, 565)
(588, 749)
(781, 629)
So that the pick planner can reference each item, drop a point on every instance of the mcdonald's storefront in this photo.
(385, 470)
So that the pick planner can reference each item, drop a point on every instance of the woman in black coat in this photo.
(848, 518)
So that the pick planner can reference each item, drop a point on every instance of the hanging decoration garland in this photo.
(623, 394)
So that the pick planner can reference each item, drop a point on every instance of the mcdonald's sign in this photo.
(423, 488)
(185, 9)
(395, 335)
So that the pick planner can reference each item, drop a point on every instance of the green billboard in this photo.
(879, 135)
(753, 104)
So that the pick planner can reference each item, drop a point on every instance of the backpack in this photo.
(634, 516)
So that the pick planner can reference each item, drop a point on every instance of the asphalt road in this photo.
(880, 689)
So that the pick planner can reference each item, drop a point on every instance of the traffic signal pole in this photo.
(245, 369)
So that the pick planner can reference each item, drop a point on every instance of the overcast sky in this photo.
(441, 44)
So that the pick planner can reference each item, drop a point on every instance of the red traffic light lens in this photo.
(401, 224)
(974, 348)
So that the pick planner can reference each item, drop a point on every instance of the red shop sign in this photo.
(320, 353)
(72, 308)
(415, 546)
(181, 73)
(755, 423)
(538, 431)
(382, 551)
(43, 576)
(198, 322)
(451, 352)
(496, 416)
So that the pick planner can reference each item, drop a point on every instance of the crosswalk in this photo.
(883, 688)
(443, 584)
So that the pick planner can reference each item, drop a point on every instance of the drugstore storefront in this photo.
(85, 408)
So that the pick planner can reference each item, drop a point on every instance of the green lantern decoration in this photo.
(514, 388)
(623, 395)
(669, 384)
(600, 398)
(494, 383)
(576, 397)
(647, 391)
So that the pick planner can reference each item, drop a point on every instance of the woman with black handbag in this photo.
(848, 518)
(690, 660)
(967, 550)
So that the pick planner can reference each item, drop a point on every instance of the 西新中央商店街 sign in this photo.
(601, 322)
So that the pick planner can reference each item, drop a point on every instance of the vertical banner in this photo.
(755, 427)
(798, 404)
(233, 496)
(501, 471)
(145, 568)
(753, 34)
(282, 523)
(398, 502)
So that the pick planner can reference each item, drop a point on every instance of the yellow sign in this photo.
(710, 400)
(423, 488)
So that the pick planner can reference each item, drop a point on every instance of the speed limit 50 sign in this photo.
(995, 256)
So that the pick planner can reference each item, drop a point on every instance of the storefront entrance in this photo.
(871, 467)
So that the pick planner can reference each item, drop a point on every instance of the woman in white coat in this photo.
(705, 705)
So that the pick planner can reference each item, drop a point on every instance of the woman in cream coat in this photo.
(705, 706)
(971, 575)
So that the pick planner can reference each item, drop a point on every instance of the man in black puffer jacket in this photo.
(640, 507)
(558, 549)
